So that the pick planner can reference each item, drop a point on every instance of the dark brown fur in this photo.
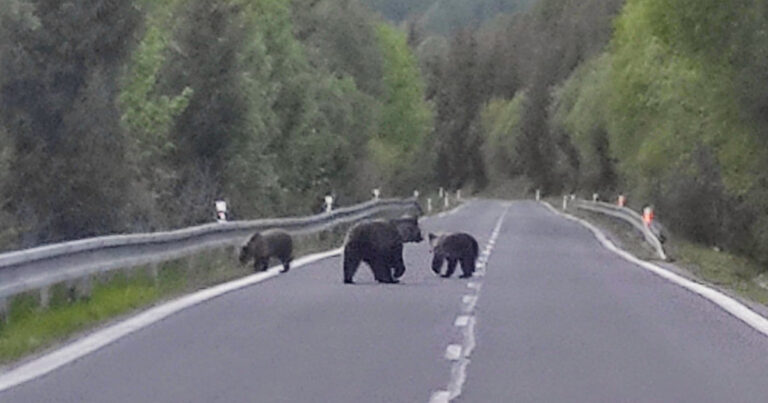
(266, 244)
(379, 243)
(454, 247)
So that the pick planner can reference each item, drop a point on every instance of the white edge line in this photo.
(101, 338)
(728, 304)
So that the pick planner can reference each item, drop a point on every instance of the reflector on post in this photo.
(221, 210)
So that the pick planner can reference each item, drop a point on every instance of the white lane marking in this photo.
(461, 321)
(453, 352)
(469, 337)
(728, 304)
(467, 322)
(101, 338)
(441, 396)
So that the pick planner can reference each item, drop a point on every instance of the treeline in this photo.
(136, 115)
(663, 100)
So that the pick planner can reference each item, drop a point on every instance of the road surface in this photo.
(558, 318)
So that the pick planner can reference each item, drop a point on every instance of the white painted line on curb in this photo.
(728, 304)
(101, 338)
(453, 352)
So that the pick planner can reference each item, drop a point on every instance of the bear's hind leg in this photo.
(467, 267)
(286, 265)
(451, 267)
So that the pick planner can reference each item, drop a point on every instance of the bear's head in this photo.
(408, 228)
(434, 240)
(248, 250)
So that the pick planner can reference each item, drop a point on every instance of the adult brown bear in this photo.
(454, 247)
(379, 243)
(270, 243)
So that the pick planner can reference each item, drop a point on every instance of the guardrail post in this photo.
(84, 288)
(45, 297)
(154, 272)
(4, 310)
(429, 205)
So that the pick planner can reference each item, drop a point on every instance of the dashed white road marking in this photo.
(453, 352)
(461, 321)
(459, 353)
(442, 396)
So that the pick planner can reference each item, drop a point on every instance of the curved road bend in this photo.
(559, 319)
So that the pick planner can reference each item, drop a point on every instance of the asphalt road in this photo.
(558, 319)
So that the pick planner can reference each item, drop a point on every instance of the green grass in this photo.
(30, 328)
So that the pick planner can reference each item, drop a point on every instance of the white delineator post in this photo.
(221, 210)
(429, 205)
(565, 202)
(376, 193)
(622, 200)
(328, 203)
(441, 191)
(446, 203)
(416, 194)
(594, 197)
(538, 195)
(458, 194)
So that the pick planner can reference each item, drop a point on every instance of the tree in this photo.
(59, 107)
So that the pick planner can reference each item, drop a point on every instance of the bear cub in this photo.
(379, 243)
(266, 244)
(454, 247)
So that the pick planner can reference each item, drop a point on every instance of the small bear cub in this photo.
(454, 247)
(266, 244)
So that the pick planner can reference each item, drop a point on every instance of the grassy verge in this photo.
(31, 329)
(732, 274)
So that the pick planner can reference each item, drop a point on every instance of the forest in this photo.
(134, 115)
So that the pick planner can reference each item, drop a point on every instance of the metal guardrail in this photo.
(44, 266)
(652, 234)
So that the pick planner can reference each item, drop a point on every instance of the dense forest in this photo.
(136, 115)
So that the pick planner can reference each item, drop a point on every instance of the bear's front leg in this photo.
(382, 272)
(398, 264)
(437, 263)
(451, 267)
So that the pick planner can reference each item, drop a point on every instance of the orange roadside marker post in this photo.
(648, 216)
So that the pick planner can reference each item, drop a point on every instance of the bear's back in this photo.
(379, 234)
